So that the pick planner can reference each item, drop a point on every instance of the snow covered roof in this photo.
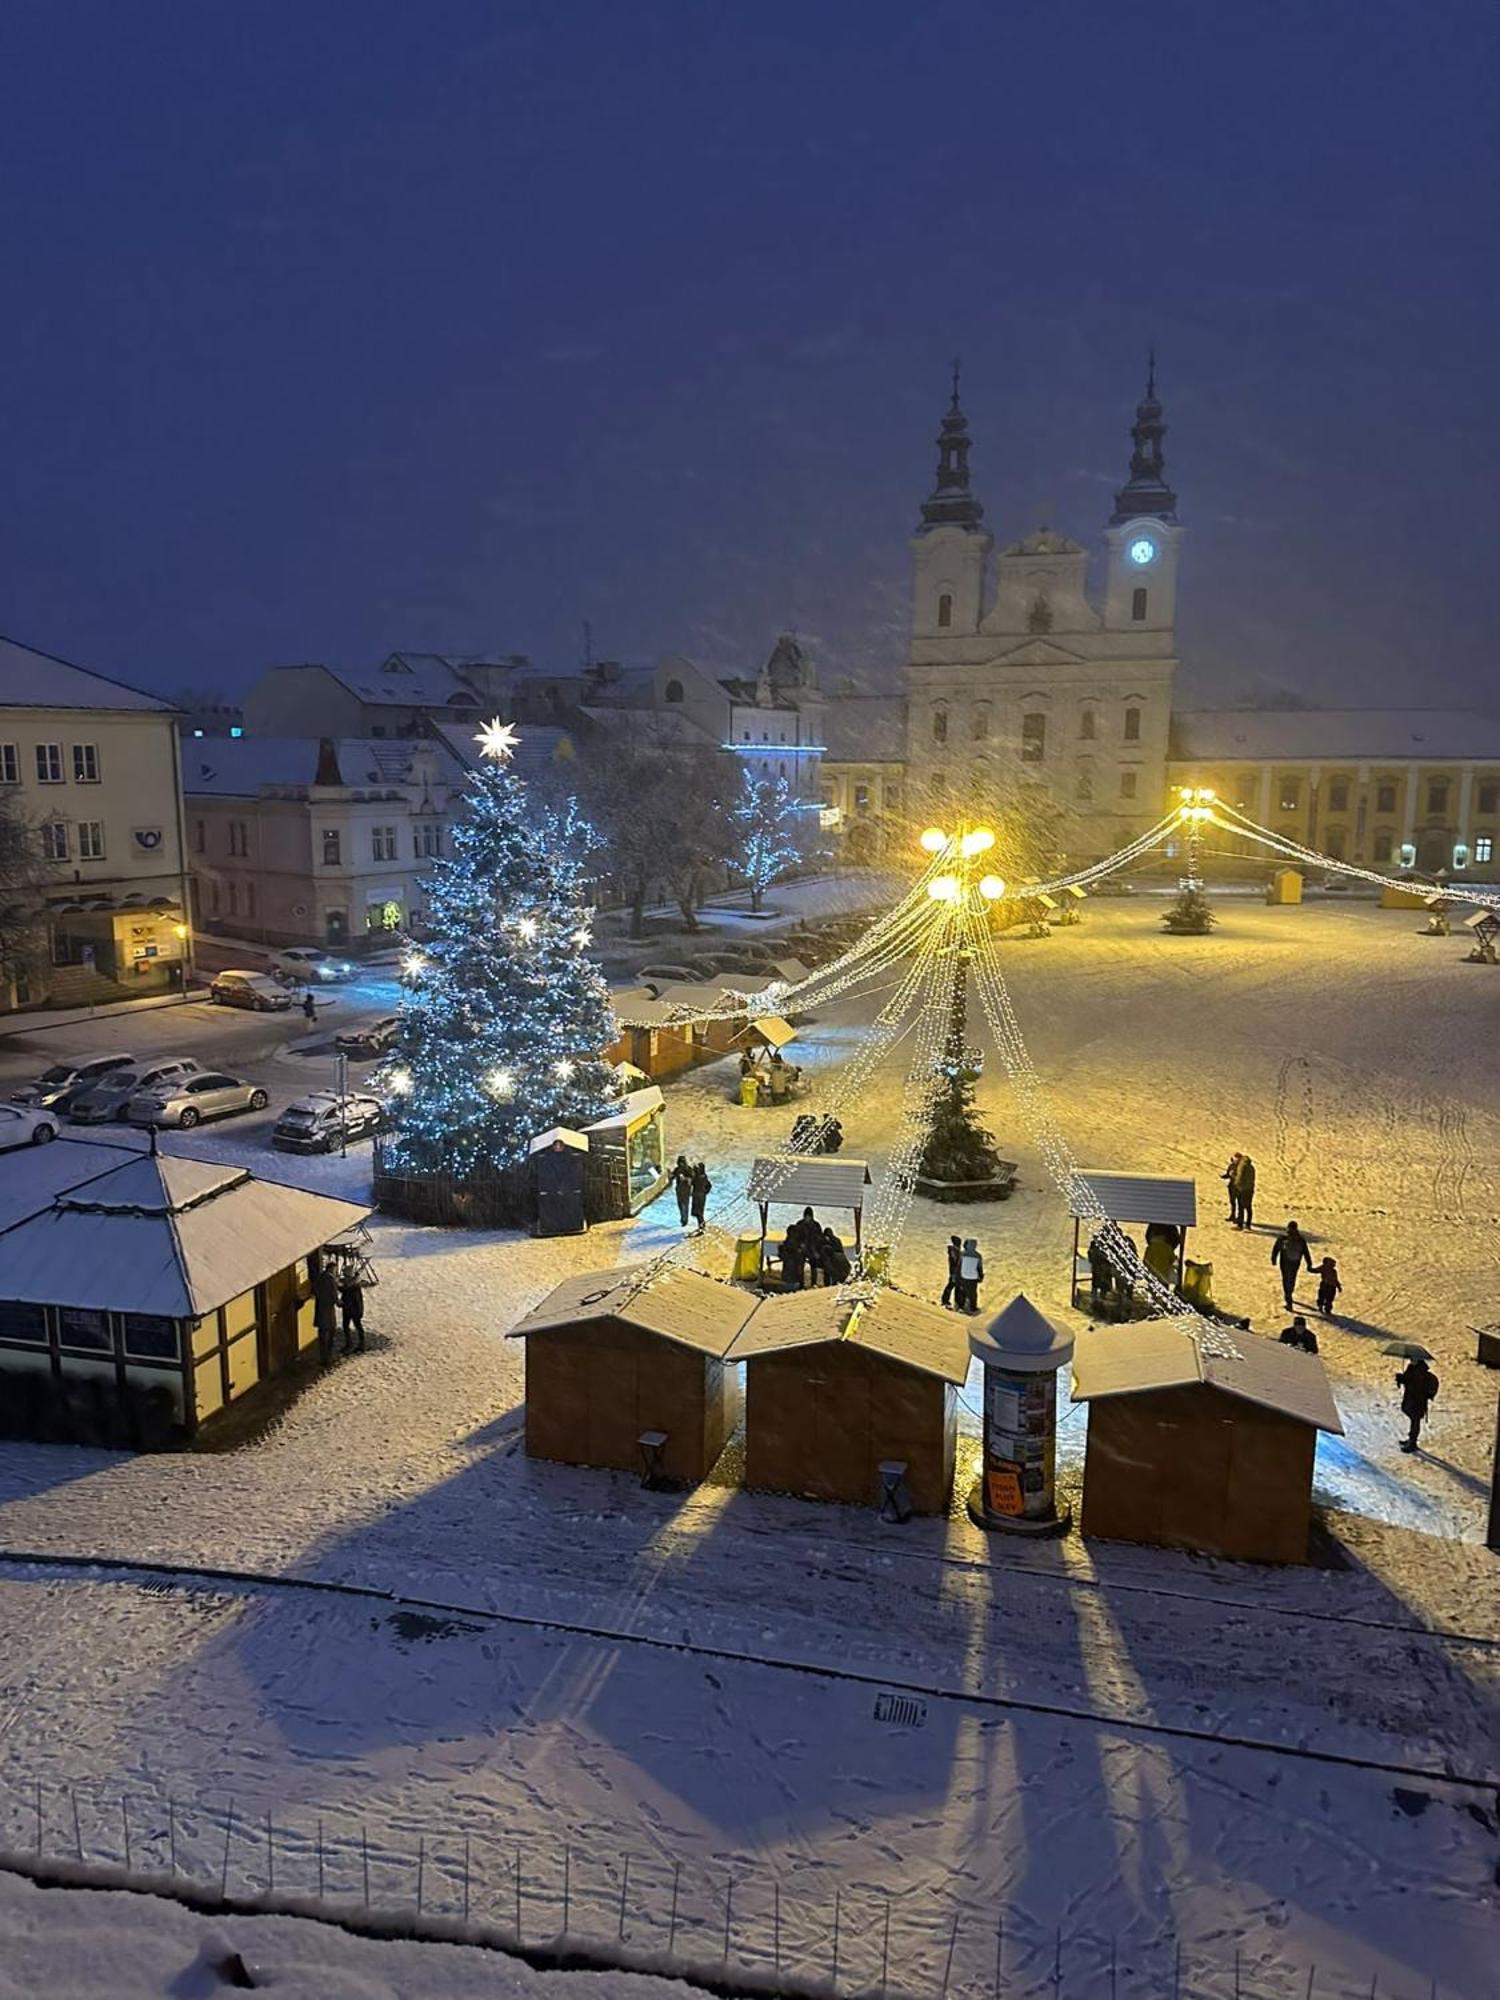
(29, 679)
(422, 680)
(163, 1234)
(1140, 1197)
(1287, 734)
(539, 748)
(638, 1007)
(792, 1319)
(809, 1182)
(243, 766)
(900, 1328)
(685, 996)
(1155, 1354)
(33, 1177)
(682, 1306)
(771, 1028)
(865, 729)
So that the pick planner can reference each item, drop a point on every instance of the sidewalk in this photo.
(37, 1019)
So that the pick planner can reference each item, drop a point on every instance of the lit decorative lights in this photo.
(501, 1084)
(563, 1069)
(526, 927)
(497, 741)
(398, 1081)
(413, 964)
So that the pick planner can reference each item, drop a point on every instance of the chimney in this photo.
(328, 763)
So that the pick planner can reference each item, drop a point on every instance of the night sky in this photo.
(331, 329)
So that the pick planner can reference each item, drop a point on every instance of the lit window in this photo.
(1484, 847)
(85, 763)
(1132, 725)
(1460, 854)
(1033, 738)
(49, 764)
(330, 847)
(945, 611)
(1138, 606)
(1290, 792)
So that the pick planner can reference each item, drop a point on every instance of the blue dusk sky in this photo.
(335, 328)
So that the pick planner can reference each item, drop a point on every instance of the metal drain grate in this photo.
(902, 1710)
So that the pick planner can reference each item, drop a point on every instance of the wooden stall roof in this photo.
(1140, 1197)
(634, 1104)
(1156, 1355)
(559, 1135)
(686, 998)
(771, 1028)
(809, 1181)
(1477, 917)
(903, 1329)
(684, 1306)
(638, 1007)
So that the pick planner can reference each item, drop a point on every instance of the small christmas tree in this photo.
(958, 1149)
(1190, 915)
(767, 819)
(507, 1017)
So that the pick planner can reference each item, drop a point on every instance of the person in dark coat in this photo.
(352, 1308)
(834, 1258)
(1229, 1175)
(1329, 1286)
(702, 1187)
(325, 1293)
(794, 1258)
(1291, 1253)
(950, 1290)
(682, 1186)
(1418, 1386)
(1299, 1334)
(310, 1008)
(1101, 1271)
(1243, 1189)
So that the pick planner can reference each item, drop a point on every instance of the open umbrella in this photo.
(1411, 1350)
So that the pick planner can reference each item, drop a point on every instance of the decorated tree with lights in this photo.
(959, 1160)
(768, 822)
(506, 1016)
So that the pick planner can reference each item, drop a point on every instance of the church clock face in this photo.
(1142, 550)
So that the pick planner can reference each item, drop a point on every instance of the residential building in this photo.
(863, 778)
(1390, 789)
(90, 766)
(1016, 681)
(408, 694)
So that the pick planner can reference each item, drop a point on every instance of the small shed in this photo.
(627, 1156)
(558, 1161)
(614, 1356)
(1200, 1451)
(833, 1393)
(794, 1180)
(1129, 1198)
(144, 1296)
(653, 1036)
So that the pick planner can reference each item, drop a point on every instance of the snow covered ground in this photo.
(1134, 1748)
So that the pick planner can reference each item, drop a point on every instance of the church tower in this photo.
(1144, 533)
(951, 544)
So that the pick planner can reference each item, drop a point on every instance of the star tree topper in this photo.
(497, 739)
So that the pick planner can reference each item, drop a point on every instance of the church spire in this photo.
(1146, 491)
(951, 504)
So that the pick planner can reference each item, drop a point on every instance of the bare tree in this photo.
(664, 809)
(21, 880)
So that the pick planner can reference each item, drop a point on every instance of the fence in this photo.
(737, 1930)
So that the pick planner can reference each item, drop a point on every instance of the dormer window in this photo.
(672, 691)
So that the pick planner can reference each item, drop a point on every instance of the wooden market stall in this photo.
(1149, 1199)
(148, 1297)
(627, 1164)
(842, 1403)
(627, 1371)
(1200, 1451)
(798, 1181)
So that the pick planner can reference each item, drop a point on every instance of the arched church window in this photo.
(1383, 843)
(940, 725)
(1033, 738)
(945, 610)
(1132, 725)
(981, 722)
(672, 691)
(1086, 725)
(1138, 606)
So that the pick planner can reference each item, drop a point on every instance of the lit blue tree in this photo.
(506, 1017)
(768, 821)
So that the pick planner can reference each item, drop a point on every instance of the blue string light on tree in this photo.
(506, 1020)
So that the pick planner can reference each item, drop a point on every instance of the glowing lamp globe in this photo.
(991, 888)
(977, 842)
(944, 889)
(934, 840)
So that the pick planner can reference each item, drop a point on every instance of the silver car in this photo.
(189, 1101)
(109, 1099)
(56, 1087)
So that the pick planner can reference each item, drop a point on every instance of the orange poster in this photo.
(1002, 1485)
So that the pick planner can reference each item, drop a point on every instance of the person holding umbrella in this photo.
(1418, 1386)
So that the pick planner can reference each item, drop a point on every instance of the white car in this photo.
(25, 1128)
(191, 1099)
(310, 966)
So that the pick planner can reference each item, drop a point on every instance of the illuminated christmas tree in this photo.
(506, 1017)
(768, 821)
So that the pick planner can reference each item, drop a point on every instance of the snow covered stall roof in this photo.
(809, 1182)
(1157, 1355)
(902, 1329)
(682, 1306)
(772, 1030)
(165, 1235)
(1138, 1197)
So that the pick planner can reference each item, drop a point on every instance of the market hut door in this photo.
(281, 1320)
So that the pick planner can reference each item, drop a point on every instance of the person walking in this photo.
(1244, 1190)
(950, 1290)
(1329, 1286)
(1291, 1253)
(352, 1307)
(702, 1187)
(970, 1276)
(1229, 1174)
(310, 1008)
(325, 1308)
(682, 1186)
(1418, 1386)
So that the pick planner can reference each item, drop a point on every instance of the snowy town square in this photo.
(749, 974)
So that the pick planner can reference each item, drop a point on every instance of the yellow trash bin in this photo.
(746, 1259)
(1285, 886)
(749, 1090)
(878, 1260)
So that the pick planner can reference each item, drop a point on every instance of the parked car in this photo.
(189, 1101)
(65, 1079)
(19, 1127)
(110, 1097)
(322, 1120)
(309, 966)
(373, 1039)
(242, 988)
